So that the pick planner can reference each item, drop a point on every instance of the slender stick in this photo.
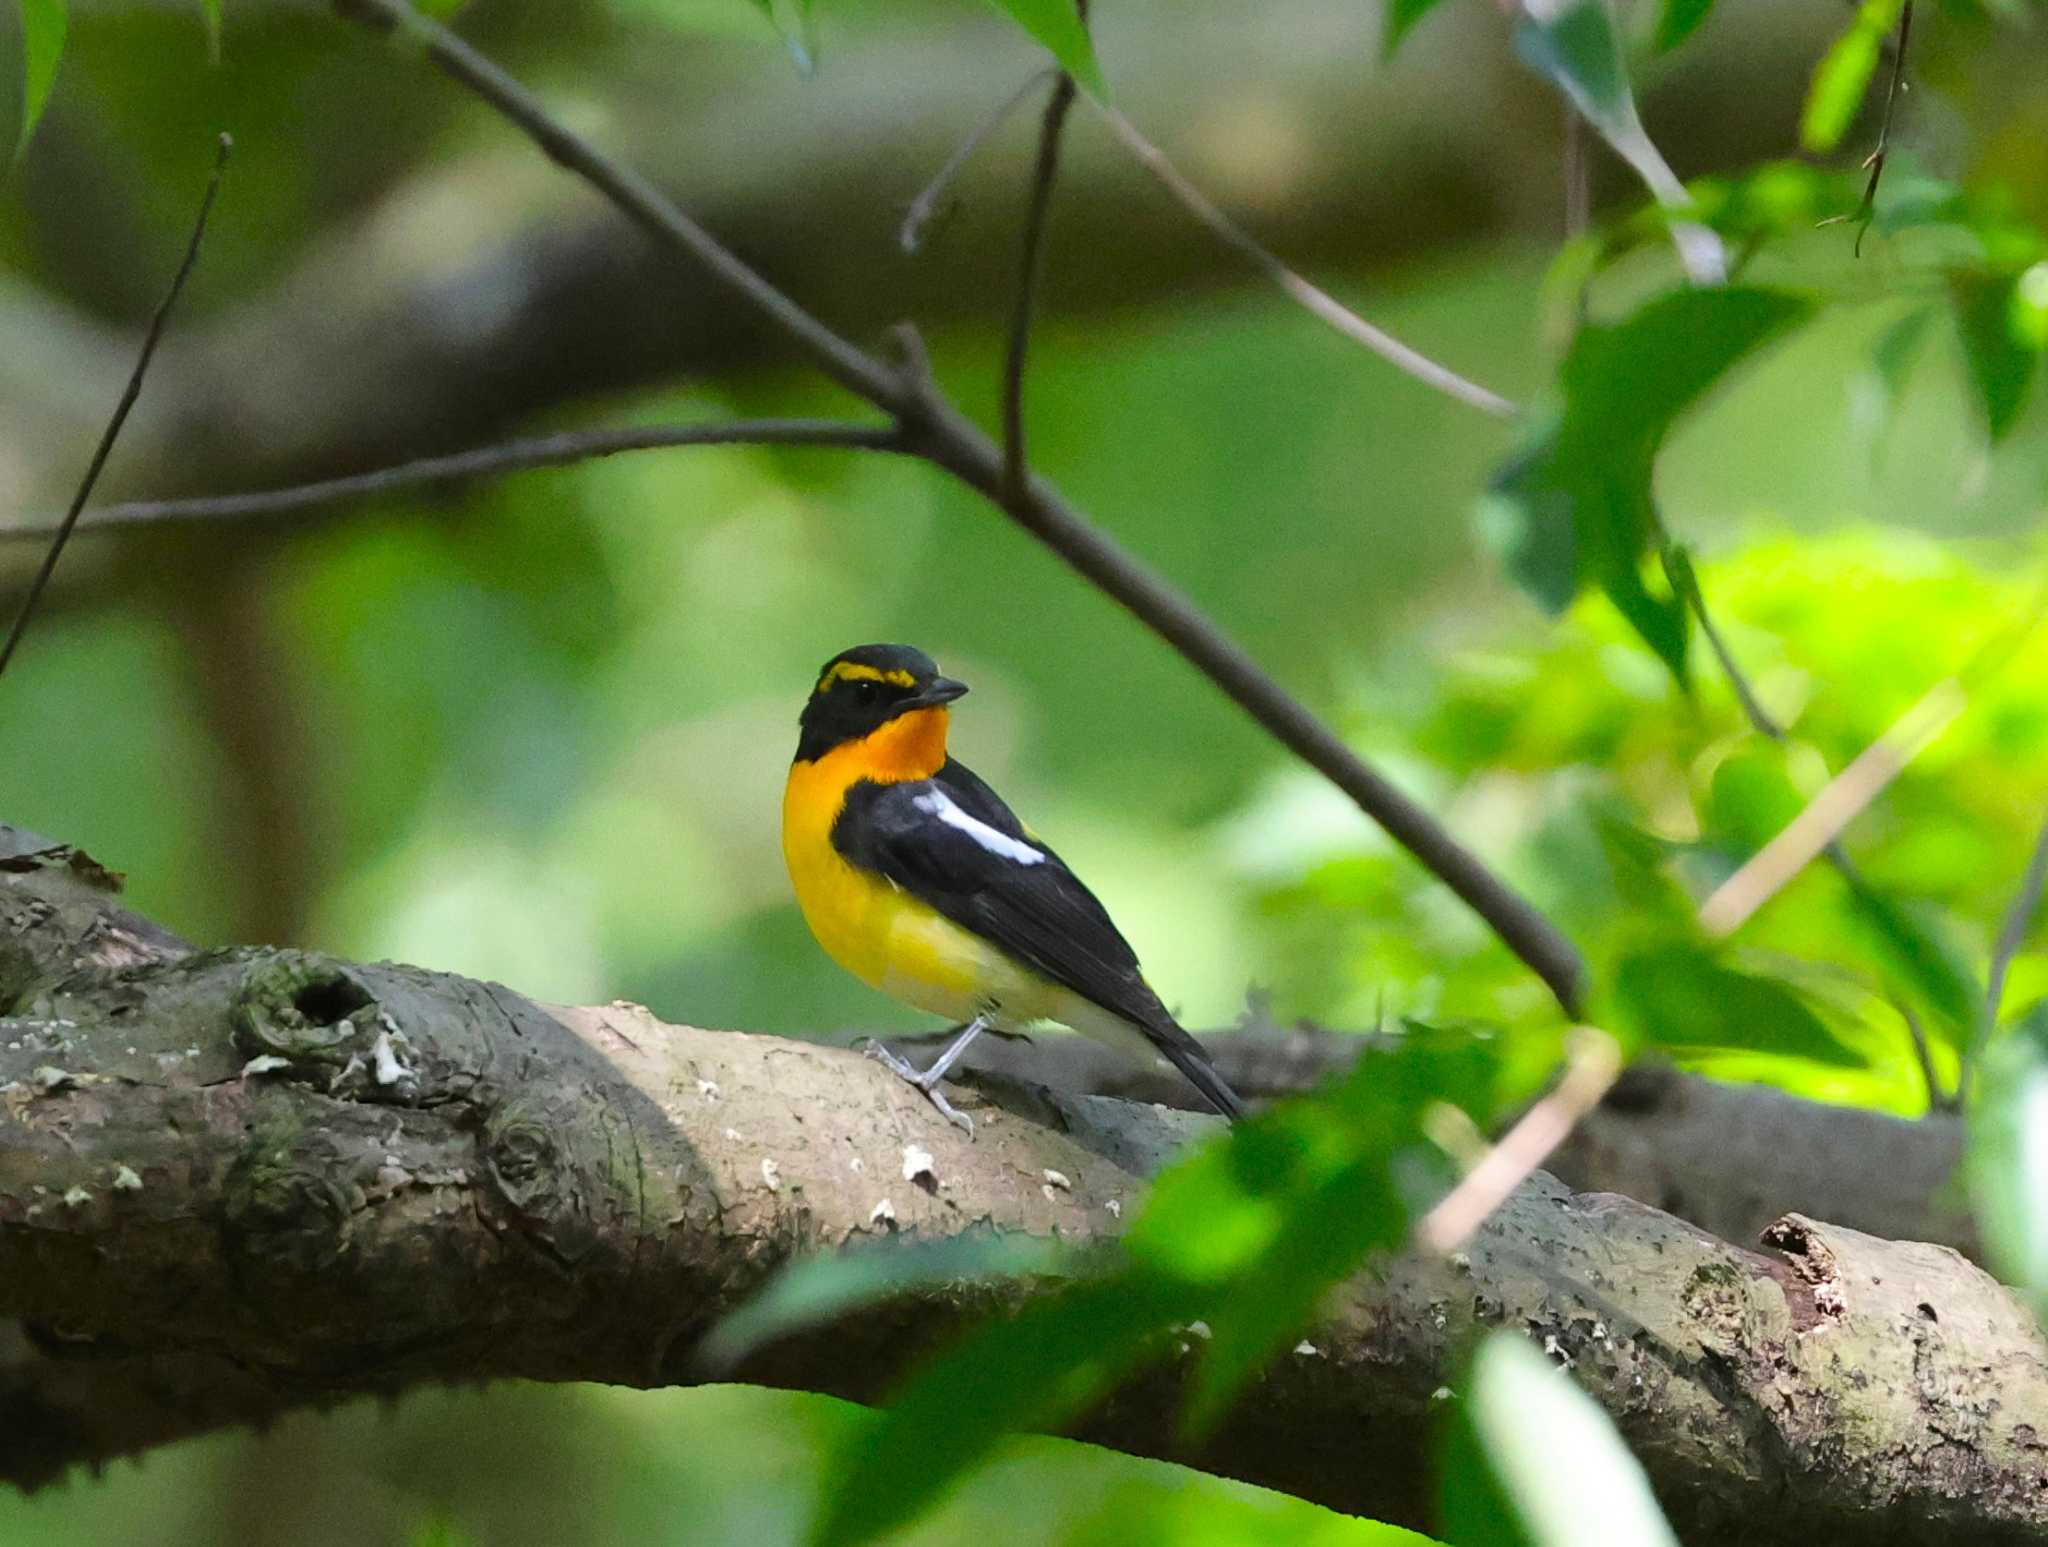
(1036, 222)
(487, 462)
(129, 394)
(1317, 302)
(1802, 839)
(935, 430)
(926, 204)
(1866, 211)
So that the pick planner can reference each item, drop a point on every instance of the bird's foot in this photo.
(925, 1081)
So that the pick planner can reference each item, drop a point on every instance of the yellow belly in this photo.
(890, 940)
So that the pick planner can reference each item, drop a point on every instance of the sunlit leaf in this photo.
(2008, 1154)
(1531, 1461)
(2003, 321)
(824, 1288)
(1752, 796)
(42, 46)
(1677, 20)
(1679, 995)
(1057, 25)
(1844, 75)
(1402, 15)
(1575, 508)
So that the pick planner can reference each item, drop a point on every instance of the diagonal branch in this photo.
(1319, 303)
(934, 429)
(129, 394)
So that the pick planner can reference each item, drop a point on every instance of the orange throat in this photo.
(911, 746)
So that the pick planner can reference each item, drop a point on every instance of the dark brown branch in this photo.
(1728, 1158)
(133, 390)
(1037, 220)
(936, 430)
(488, 462)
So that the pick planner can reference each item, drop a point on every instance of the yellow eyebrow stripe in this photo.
(853, 671)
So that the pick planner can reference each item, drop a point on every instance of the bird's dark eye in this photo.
(867, 692)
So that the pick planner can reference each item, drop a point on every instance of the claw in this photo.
(926, 1081)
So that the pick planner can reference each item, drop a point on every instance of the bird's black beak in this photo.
(940, 690)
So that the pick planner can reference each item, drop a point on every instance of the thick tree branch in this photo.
(237, 1182)
(1728, 1158)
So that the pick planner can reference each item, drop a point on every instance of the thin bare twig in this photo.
(1591, 1069)
(487, 462)
(1736, 899)
(1037, 220)
(129, 394)
(926, 204)
(1866, 211)
(1317, 302)
(934, 429)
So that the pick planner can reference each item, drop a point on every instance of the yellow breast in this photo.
(871, 927)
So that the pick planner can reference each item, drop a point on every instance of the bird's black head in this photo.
(862, 689)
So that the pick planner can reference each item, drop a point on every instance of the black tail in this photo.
(1193, 1062)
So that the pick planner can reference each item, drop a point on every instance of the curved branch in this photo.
(241, 1182)
(949, 440)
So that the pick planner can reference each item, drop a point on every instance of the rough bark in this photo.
(1729, 1158)
(237, 1182)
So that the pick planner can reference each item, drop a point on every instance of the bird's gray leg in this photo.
(928, 1080)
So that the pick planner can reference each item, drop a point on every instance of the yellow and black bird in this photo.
(918, 880)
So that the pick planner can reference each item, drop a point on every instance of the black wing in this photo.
(999, 882)
(951, 842)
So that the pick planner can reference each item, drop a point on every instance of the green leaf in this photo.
(211, 10)
(2003, 321)
(42, 46)
(1057, 25)
(822, 1289)
(1678, 995)
(1677, 20)
(1844, 75)
(1035, 1370)
(2007, 1160)
(1531, 1461)
(1402, 15)
(1575, 507)
(1575, 44)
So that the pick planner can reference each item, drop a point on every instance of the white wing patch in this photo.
(941, 805)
